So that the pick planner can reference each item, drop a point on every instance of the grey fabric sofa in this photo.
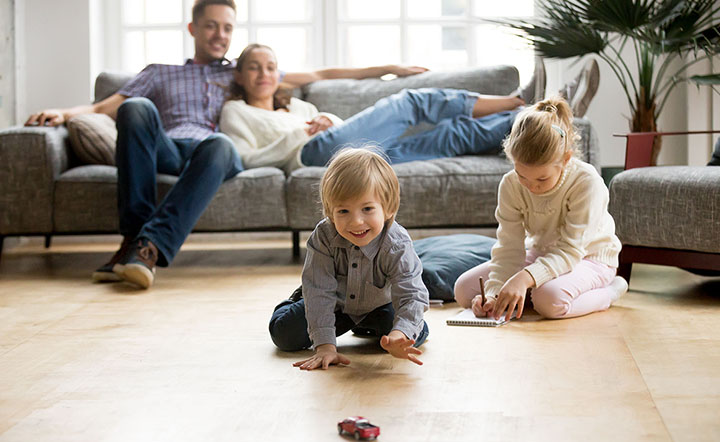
(45, 191)
(666, 215)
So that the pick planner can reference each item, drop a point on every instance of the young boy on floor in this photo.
(361, 271)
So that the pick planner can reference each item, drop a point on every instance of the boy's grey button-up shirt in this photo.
(356, 280)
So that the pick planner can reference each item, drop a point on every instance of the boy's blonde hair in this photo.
(353, 172)
(542, 133)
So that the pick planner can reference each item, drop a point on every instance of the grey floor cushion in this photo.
(445, 258)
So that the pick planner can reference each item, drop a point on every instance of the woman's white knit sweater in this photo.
(563, 226)
(266, 138)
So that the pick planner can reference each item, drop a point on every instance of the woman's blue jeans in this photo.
(456, 132)
(143, 150)
(289, 328)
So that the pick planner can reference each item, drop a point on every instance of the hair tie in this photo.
(559, 130)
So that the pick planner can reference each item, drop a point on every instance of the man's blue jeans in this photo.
(143, 150)
(289, 328)
(456, 132)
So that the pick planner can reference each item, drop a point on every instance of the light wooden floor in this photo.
(191, 359)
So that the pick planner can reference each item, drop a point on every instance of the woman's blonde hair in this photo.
(353, 172)
(542, 133)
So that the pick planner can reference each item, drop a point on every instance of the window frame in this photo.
(466, 21)
(326, 27)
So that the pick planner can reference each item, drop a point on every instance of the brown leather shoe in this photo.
(107, 272)
(140, 266)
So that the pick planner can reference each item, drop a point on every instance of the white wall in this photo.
(701, 116)
(57, 69)
(7, 63)
(609, 113)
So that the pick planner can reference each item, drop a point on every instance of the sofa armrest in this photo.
(31, 159)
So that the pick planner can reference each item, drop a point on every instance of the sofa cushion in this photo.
(447, 192)
(675, 207)
(107, 83)
(445, 258)
(86, 200)
(93, 137)
(347, 97)
(254, 199)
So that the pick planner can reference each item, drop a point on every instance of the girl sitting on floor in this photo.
(555, 235)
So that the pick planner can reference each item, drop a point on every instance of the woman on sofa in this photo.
(271, 128)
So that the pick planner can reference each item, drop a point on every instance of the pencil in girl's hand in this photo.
(482, 290)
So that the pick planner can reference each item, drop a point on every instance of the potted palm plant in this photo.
(660, 32)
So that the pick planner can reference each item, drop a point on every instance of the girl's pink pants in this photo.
(581, 291)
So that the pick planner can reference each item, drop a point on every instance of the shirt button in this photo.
(357, 248)
(352, 296)
(354, 265)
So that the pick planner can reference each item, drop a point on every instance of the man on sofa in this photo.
(166, 119)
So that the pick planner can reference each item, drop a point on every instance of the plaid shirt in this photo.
(188, 97)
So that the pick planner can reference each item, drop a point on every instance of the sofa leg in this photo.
(296, 244)
(48, 241)
(624, 270)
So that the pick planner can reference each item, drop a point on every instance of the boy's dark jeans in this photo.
(289, 328)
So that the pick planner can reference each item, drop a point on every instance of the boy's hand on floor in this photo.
(398, 345)
(325, 356)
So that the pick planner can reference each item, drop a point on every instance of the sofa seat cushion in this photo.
(675, 207)
(447, 192)
(86, 201)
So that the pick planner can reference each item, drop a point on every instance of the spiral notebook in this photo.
(467, 317)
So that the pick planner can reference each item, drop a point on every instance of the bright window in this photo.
(152, 32)
(305, 34)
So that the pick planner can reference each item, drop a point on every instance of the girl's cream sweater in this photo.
(563, 226)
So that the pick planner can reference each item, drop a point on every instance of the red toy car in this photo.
(359, 427)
